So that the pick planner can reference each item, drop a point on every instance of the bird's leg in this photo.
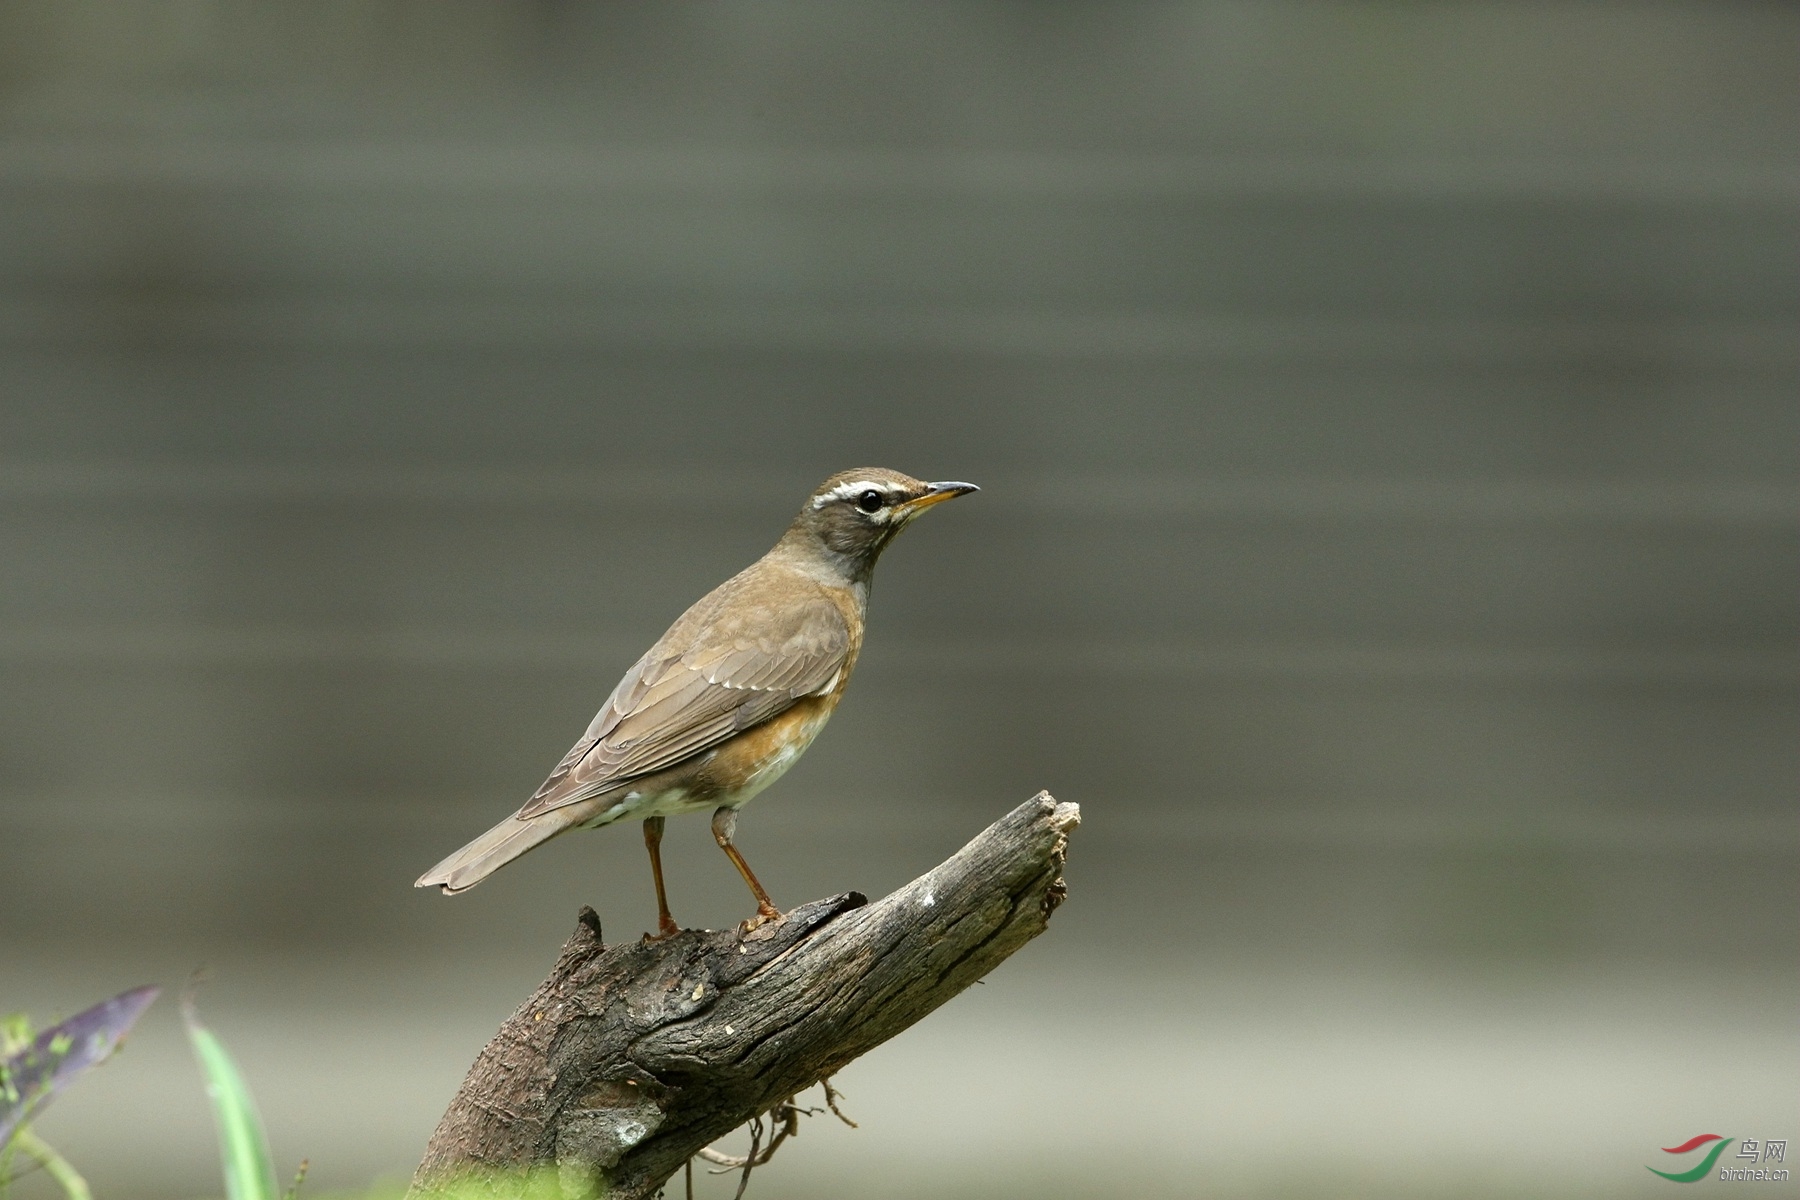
(665, 924)
(724, 824)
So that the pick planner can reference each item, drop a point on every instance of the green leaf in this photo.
(244, 1151)
(66, 1176)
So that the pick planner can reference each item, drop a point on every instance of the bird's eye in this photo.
(870, 501)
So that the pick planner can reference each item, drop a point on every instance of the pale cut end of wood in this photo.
(629, 1059)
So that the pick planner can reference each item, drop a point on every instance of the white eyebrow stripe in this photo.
(844, 491)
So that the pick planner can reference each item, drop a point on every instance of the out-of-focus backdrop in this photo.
(1388, 422)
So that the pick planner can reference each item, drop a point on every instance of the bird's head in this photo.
(852, 516)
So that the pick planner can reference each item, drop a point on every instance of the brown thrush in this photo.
(730, 696)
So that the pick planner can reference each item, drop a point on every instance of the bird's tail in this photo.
(497, 847)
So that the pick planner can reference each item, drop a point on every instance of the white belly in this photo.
(777, 764)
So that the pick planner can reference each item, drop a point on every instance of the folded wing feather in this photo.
(707, 680)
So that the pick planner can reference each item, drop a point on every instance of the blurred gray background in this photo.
(1387, 416)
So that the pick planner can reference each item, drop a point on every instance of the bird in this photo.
(729, 697)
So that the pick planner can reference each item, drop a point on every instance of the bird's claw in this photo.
(764, 914)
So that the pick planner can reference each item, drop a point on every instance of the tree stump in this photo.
(629, 1059)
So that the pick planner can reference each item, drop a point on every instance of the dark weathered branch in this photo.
(628, 1059)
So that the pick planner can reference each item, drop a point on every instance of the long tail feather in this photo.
(494, 849)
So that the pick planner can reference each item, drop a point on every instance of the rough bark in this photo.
(629, 1059)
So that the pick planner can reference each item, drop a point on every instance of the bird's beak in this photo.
(937, 493)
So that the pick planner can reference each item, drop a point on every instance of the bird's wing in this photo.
(721, 669)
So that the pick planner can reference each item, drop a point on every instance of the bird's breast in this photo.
(758, 757)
